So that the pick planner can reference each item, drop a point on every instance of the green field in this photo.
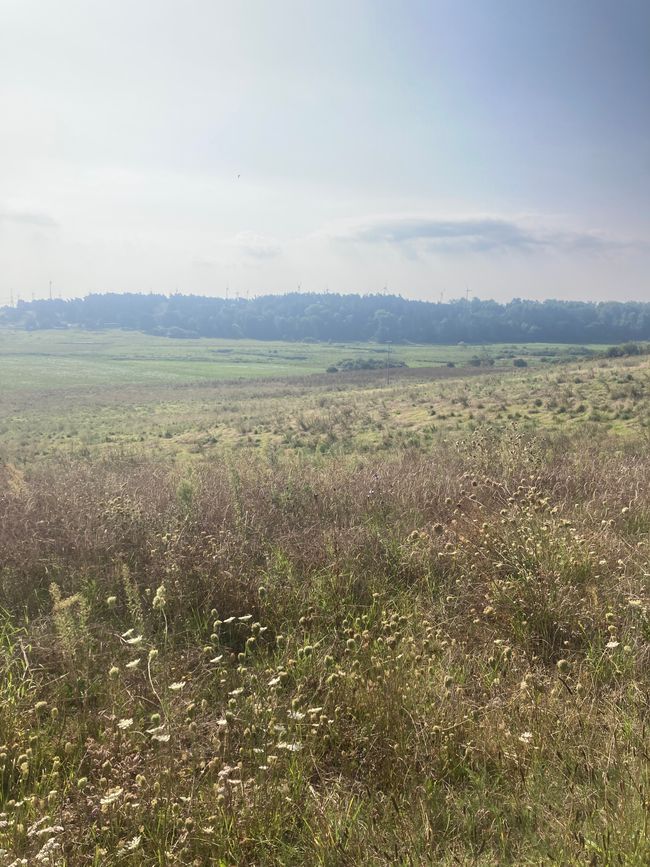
(254, 613)
(81, 394)
(69, 359)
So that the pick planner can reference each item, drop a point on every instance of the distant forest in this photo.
(334, 317)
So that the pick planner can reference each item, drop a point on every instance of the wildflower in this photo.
(526, 737)
(153, 653)
(290, 747)
(217, 658)
(111, 796)
(125, 724)
(113, 671)
(134, 663)
(160, 598)
(111, 601)
(177, 686)
(135, 640)
(612, 645)
(48, 852)
(82, 782)
(130, 845)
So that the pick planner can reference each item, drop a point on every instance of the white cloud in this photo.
(421, 234)
(28, 218)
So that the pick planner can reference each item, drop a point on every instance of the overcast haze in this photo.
(497, 145)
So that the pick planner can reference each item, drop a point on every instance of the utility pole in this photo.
(388, 366)
(50, 290)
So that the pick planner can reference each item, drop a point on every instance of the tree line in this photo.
(299, 316)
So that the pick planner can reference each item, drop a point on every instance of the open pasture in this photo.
(85, 395)
(69, 359)
(329, 619)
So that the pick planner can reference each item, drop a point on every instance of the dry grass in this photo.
(349, 413)
(435, 657)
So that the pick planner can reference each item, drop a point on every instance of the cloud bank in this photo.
(474, 234)
(27, 218)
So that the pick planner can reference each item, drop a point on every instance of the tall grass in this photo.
(435, 658)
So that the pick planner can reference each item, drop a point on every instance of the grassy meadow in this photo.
(255, 613)
(80, 394)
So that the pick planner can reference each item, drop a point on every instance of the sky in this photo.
(423, 147)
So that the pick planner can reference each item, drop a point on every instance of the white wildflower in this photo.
(176, 687)
(111, 796)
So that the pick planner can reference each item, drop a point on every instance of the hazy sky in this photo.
(261, 145)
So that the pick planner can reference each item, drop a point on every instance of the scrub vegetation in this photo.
(391, 617)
